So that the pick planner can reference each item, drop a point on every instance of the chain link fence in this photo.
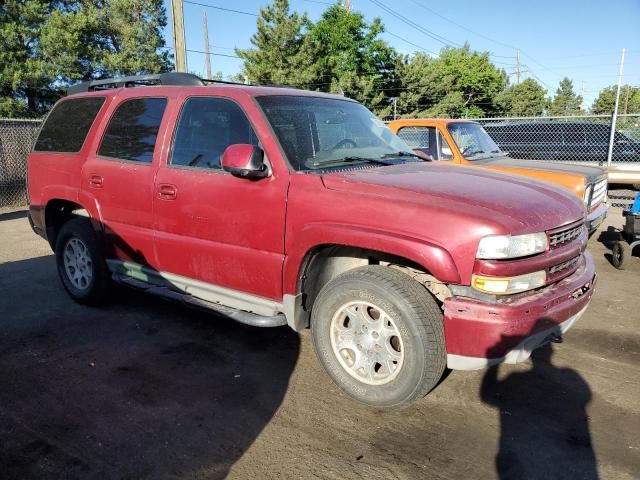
(16, 139)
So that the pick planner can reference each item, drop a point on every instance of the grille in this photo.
(564, 265)
(558, 238)
(599, 193)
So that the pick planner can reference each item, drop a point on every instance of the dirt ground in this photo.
(146, 389)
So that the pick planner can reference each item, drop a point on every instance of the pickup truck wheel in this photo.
(379, 335)
(81, 267)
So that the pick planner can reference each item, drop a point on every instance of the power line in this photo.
(221, 8)
(414, 25)
(462, 26)
(411, 43)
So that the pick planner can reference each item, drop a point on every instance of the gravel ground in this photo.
(146, 389)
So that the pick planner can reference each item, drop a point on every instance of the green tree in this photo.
(351, 58)
(459, 82)
(629, 100)
(527, 98)
(46, 45)
(278, 56)
(565, 101)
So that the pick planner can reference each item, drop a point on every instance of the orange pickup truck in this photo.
(467, 143)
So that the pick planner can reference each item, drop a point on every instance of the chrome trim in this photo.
(205, 291)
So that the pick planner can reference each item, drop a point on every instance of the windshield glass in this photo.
(473, 141)
(317, 133)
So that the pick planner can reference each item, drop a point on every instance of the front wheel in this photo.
(379, 335)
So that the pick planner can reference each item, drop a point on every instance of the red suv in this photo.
(278, 206)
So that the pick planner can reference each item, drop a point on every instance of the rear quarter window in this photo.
(68, 124)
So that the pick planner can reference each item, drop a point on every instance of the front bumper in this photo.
(597, 216)
(479, 334)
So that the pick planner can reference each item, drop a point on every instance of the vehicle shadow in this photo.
(140, 388)
(544, 426)
(13, 215)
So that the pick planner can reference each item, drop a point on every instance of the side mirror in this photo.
(245, 161)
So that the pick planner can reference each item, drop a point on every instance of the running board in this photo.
(240, 316)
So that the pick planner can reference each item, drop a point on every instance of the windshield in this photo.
(317, 133)
(473, 141)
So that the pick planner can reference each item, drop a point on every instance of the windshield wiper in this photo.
(473, 152)
(350, 159)
(400, 154)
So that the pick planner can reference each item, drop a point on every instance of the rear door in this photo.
(213, 229)
(119, 176)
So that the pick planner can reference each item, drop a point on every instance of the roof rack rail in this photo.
(169, 78)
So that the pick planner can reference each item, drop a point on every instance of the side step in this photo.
(247, 318)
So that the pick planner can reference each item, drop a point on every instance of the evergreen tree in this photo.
(45, 45)
(277, 57)
(565, 101)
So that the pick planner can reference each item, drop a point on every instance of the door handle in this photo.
(96, 181)
(166, 191)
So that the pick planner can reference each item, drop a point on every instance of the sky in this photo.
(556, 38)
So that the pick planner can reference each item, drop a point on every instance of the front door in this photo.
(214, 230)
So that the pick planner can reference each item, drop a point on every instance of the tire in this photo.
(619, 254)
(77, 236)
(413, 338)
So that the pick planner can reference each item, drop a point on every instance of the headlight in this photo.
(587, 194)
(509, 285)
(496, 247)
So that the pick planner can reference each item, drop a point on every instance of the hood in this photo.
(591, 173)
(510, 203)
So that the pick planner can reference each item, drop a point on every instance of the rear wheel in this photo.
(379, 335)
(619, 254)
(81, 267)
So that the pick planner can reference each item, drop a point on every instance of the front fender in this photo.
(433, 258)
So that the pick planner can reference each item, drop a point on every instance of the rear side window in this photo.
(416, 137)
(68, 124)
(133, 129)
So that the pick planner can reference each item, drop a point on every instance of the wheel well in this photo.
(57, 213)
(327, 262)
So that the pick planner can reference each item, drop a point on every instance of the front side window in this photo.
(206, 128)
(473, 141)
(318, 132)
(68, 124)
(133, 129)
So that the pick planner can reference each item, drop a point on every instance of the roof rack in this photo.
(169, 78)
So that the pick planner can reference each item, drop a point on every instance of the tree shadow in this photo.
(141, 388)
(544, 426)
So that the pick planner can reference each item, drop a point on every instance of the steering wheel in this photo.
(344, 143)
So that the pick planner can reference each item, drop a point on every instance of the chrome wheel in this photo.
(367, 343)
(77, 263)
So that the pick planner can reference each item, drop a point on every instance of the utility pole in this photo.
(395, 108)
(207, 55)
(517, 66)
(179, 45)
(347, 6)
(626, 99)
(615, 112)
(582, 92)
